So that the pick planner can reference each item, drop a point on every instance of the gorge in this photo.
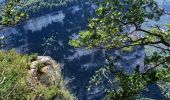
(49, 35)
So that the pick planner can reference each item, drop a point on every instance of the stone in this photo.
(45, 69)
(32, 72)
(50, 75)
(45, 59)
(34, 64)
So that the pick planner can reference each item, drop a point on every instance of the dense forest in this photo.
(84, 50)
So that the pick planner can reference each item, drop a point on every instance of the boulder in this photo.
(48, 74)
(50, 70)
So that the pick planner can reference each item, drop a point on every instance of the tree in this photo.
(110, 30)
(11, 14)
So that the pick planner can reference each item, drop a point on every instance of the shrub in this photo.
(13, 76)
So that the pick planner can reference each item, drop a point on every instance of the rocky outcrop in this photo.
(46, 72)
(44, 69)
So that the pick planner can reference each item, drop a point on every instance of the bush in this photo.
(13, 76)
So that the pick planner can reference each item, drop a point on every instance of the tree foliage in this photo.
(11, 14)
(119, 26)
(109, 29)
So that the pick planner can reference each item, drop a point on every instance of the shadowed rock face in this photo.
(49, 35)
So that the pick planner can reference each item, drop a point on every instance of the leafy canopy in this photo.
(110, 28)
(119, 26)
(11, 14)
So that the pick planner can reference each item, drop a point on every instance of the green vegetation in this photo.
(40, 6)
(40, 66)
(49, 93)
(15, 10)
(13, 67)
(13, 77)
(11, 14)
(109, 31)
(14, 83)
